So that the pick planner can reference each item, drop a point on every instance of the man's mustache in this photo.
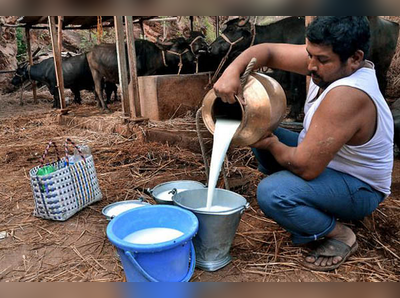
(315, 74)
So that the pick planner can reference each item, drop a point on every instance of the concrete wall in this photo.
(172, 96)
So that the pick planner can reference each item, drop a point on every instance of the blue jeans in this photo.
(309, 209)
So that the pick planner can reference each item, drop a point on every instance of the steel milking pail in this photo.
(162, 193)
(112, 210)
(264, 110)
(217, 229)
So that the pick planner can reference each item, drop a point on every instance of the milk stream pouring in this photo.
(223, 134)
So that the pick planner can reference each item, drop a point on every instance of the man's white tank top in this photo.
(371, 162)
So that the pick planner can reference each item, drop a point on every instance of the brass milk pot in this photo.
(264, 110)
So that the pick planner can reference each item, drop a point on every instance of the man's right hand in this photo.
(228, 86)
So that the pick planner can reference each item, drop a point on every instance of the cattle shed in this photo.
(130, 94)
(131, 103)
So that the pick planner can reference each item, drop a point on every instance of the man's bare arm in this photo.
(339, 119)
(287, 57)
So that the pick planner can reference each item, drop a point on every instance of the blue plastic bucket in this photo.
(169, 261)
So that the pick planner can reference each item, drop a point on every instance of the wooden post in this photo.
(164, 31)
(191, 23)
(216, 26)
(308, 21)
(57, 61)
(29, 50)
(121, 55)
(134, 97)
(60, 27)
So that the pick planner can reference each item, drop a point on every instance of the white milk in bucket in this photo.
(118, 209)
(223, 134)
(215, 208)
(153, 236)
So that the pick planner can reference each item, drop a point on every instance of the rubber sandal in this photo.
(330, 248)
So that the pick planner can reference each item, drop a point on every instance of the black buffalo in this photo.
(178, 56)
(384, 36)
(242, 34)
(76, 73)
(194, 47)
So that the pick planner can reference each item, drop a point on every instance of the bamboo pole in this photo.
(134, 97)
(29, 50)
(217, 27)
(57, 59)
(121, 55)
(191, 23)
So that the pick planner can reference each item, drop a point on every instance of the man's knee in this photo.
(274, 198)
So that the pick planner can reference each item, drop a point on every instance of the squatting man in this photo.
(339, 166)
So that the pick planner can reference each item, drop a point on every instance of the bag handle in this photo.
(47, 151)
(69, 141)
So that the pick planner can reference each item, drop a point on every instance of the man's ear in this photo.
(357, 58)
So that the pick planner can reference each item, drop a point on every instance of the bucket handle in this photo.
(142, 199)
(173, 191)
(148, 191)
(131, 257)
(246, 207)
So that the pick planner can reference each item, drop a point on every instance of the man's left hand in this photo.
(266, 142)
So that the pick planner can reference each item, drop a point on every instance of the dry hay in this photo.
(78, 249)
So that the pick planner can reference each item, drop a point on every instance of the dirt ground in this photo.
(35, 249)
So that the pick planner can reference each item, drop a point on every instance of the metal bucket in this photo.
(112, 210)
(216, 228)
(163, 192)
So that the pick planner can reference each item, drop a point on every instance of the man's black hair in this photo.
(346, 35)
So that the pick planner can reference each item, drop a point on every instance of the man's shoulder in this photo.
(364, 80)
(347, 93)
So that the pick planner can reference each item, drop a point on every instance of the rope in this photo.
(253, 33)
(224, 173)
(249, 69)
(196, 56)
(163, 58)
(180, 58)
(221, 64)
(203, 149)
(191, 44)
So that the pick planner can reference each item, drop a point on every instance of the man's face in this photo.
(324, 65)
